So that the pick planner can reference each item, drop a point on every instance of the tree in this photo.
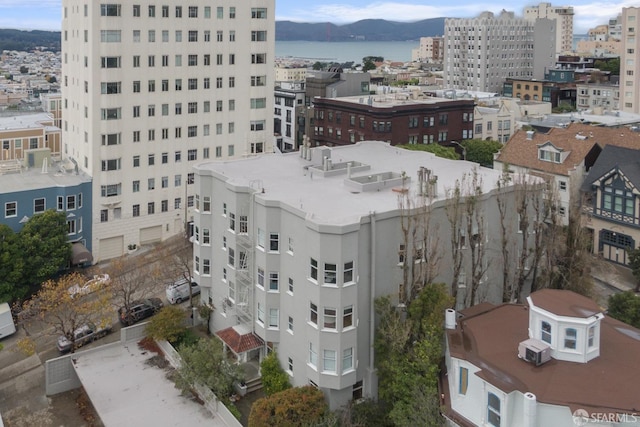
(132, 279)
(24, 69)
(317, 66)
(297, 406)
(625, 307)
(368, 66)
(454, 211)
(634, 264)
(168, 324)
(12, 286)
(54, 305)
(205, 363)
(177, 261)
(474, 226)
(44, 246)
(481, 151)
(408, 354)
(612, 65)
(437, 149)
(274, 378)
(373, 58)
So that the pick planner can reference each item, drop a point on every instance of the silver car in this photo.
(83, 335)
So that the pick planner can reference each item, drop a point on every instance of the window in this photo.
(591, 336)
(10, 209)
(347, 317)
(260, 276)
(290, 290)
(38, 205)
(314, 269)
(136, 210)
(274, 318)
(110, 190)
(243, 224)
(260, 239)
(347, 275)
(192, 154)
(330, 273)
(274, 242)
(546, 332)
(258, 36)
(563, 185)
(313, 313)
(260, 314)
(104, 215)
(274, 281)
(231, 257)
(329, 318)
(110, 62)
(258, 58)
(232, 221)
(136, 10)
(463, 381)
(113, 36)
(570, 338)
(313, 355)
(152, 11)
(347, 359)
(329, 361)
(493, 410)
(151, 184)
(259, 13)
(549, 156)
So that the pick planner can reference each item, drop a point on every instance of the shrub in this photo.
(168, 324)
(274, 378)
(292, 407)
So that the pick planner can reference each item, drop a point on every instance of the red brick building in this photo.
(398, 118)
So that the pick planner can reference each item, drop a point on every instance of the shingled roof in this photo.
(609, 383)
(626, 160)
(577, 139)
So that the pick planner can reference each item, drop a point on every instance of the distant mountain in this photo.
(29, 40)
(367, 29)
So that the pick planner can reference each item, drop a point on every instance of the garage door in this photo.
(112, 247)
(150, 234)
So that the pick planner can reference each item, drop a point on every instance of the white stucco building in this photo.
(563, 17)
(150, 89)
(292, 249)
(555, 361)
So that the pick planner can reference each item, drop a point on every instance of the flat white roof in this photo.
(25, 121)
(33, 179)
(126, 390)
(327, 199)
(394, 99)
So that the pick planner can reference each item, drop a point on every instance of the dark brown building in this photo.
(398, 118)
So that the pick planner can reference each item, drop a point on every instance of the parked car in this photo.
(83, 335)
(7, 325)
(178, 291)
(91, 286)
(140, 309)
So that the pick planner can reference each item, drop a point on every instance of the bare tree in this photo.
(507, 246)
(178, 262)
(454, 210)
(132, 279)
(474, 226)
(420, 253)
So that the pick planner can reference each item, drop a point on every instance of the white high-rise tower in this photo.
(150, 89)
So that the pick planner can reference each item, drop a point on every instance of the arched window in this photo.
(570, 338)
(546, 332)
(493, 410)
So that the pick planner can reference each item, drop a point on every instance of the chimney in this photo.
(450, 318)
(530, 135)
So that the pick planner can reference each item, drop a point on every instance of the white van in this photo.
(178, 291)
(7, 327)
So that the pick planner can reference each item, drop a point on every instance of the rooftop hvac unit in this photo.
(534, 351)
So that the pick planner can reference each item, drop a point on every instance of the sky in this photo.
(46, 14)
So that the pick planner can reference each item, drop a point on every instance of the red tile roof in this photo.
(239, 343)
(523, 152)
(609, 383)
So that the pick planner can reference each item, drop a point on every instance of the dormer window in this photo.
(549, 156)
(546, 332)
(616, 198)
(570, 338)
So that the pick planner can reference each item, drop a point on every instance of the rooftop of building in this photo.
(489, 338)
(626, 160)
(58, 174)
(395, 99)
(577, 139)
(330, 197)
(25, 121)
(588, 117)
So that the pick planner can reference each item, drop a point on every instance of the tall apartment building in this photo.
(629, 70)
(289, 97)
(149, 89)
(562, 15)
(480, 53)
(430, 50)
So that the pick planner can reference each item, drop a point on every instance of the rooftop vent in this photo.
(530, 135)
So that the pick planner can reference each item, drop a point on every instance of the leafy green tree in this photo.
(373, 58)
(274, 378)
(299, 406)
(206, 363)
(11, 266)
(437, 149)
(625, 307)
(44, 246)
(409, 347)
(612, 65)
(368, 66)
(317, 66)
(634, 264)
(168, 324)
(481, 151)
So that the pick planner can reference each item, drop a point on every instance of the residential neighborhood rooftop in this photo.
(609, 383)
(58, 174)
(25, 121)
(395, 99)
(612, 157)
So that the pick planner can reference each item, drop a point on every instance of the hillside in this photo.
(29, 40)
(367, 29)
